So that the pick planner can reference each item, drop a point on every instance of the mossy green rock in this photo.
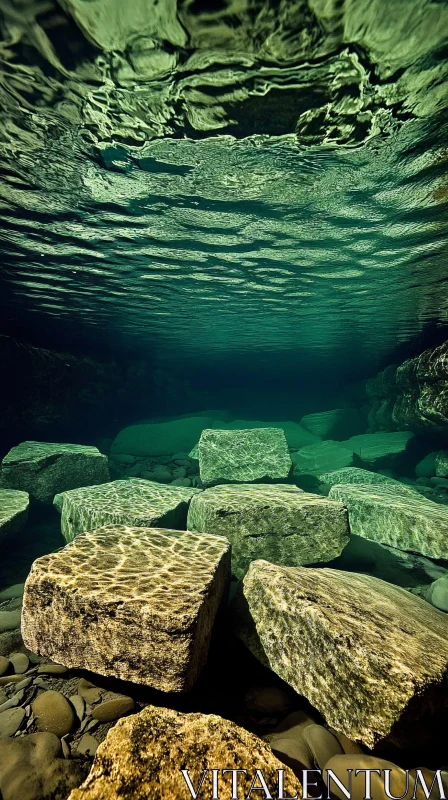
(43, 469)
(296, 435)
(161, 438)
(339, 423)
(379, 449)
(368, 655)
(355, 476)
(385, 515)
(321, 457)
(277, 522)
(242, 456)
(442, 464)
(13, 511)
(133, 502)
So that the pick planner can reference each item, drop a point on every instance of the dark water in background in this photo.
(255, 192)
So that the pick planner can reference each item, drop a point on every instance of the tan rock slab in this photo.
(134, 603)
(371, 657)
(146, 751)
(111, 710)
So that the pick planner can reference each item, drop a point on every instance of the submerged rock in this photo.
(45, 468)
(277, 522)
(441, 462)
(379, 449)
(243, 455)
(356, 476)
(135, 502)
(134, 603)
(160, 438)
(321, 457)
(339, 423)
(426, 468)
(413, 395)
(31, 768)
(13, 511)
(371, 657)
(296, 435)
(406, 521)
(148, 750)
(437, 593)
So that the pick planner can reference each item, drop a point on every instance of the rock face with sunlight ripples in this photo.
(279, 523)
(241, 456)
(133, 603)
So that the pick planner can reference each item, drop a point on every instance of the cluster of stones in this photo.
(178, 470)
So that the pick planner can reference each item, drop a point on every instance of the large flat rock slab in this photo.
(321, 457)
(133, 603)
(277, 522)
(160, 438)
(371, 657)
(43, 469)
(13, 511)
(148, 750)
(136, 502)
(242, 456)
(380, 449)
(403, 520)
(356, 476)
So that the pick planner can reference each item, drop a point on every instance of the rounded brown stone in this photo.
(53, 713)
(52, 669)
(20, 662)
(322, 744)
(111, 710)
(4, 665)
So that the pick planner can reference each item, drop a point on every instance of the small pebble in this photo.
(65, 748)
(53, 713)
(4, 665)
(87, 745)
(20, 662)
(24, 684)
(111, 710)
(15, 700)
(41, 683)
(10, 721)
(89, 691)
(79, 704)
(51, 669)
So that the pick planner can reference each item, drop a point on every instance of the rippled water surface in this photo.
(225, 177)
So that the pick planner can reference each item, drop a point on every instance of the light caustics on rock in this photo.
(264, 175)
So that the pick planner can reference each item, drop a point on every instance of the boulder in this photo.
(442, 464)
(32, 768)
(339, 423)
(161, 438)
(296, 435)
(321, 457)
(426, 468)
(44, 469)
(13, 511)
(379, 449)
(243, 456)
(132, 603)
(437, 593)
(136, 502)
(370, 657)
(277, 522)
(355, 476)
(413, 395)
(148, 751)
(406, 521)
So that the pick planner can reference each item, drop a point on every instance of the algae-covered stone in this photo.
(13, 511)
(132, 603)
(355, 475)
(148, 750)
(243, 455)
(134, 502)
(160, 438)
(277, 522)
(379, 449)
(368, 655)
(406, 521)
(321, 457)
(442, 464)
(339, 423)
(44, 469)
(296, 435)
